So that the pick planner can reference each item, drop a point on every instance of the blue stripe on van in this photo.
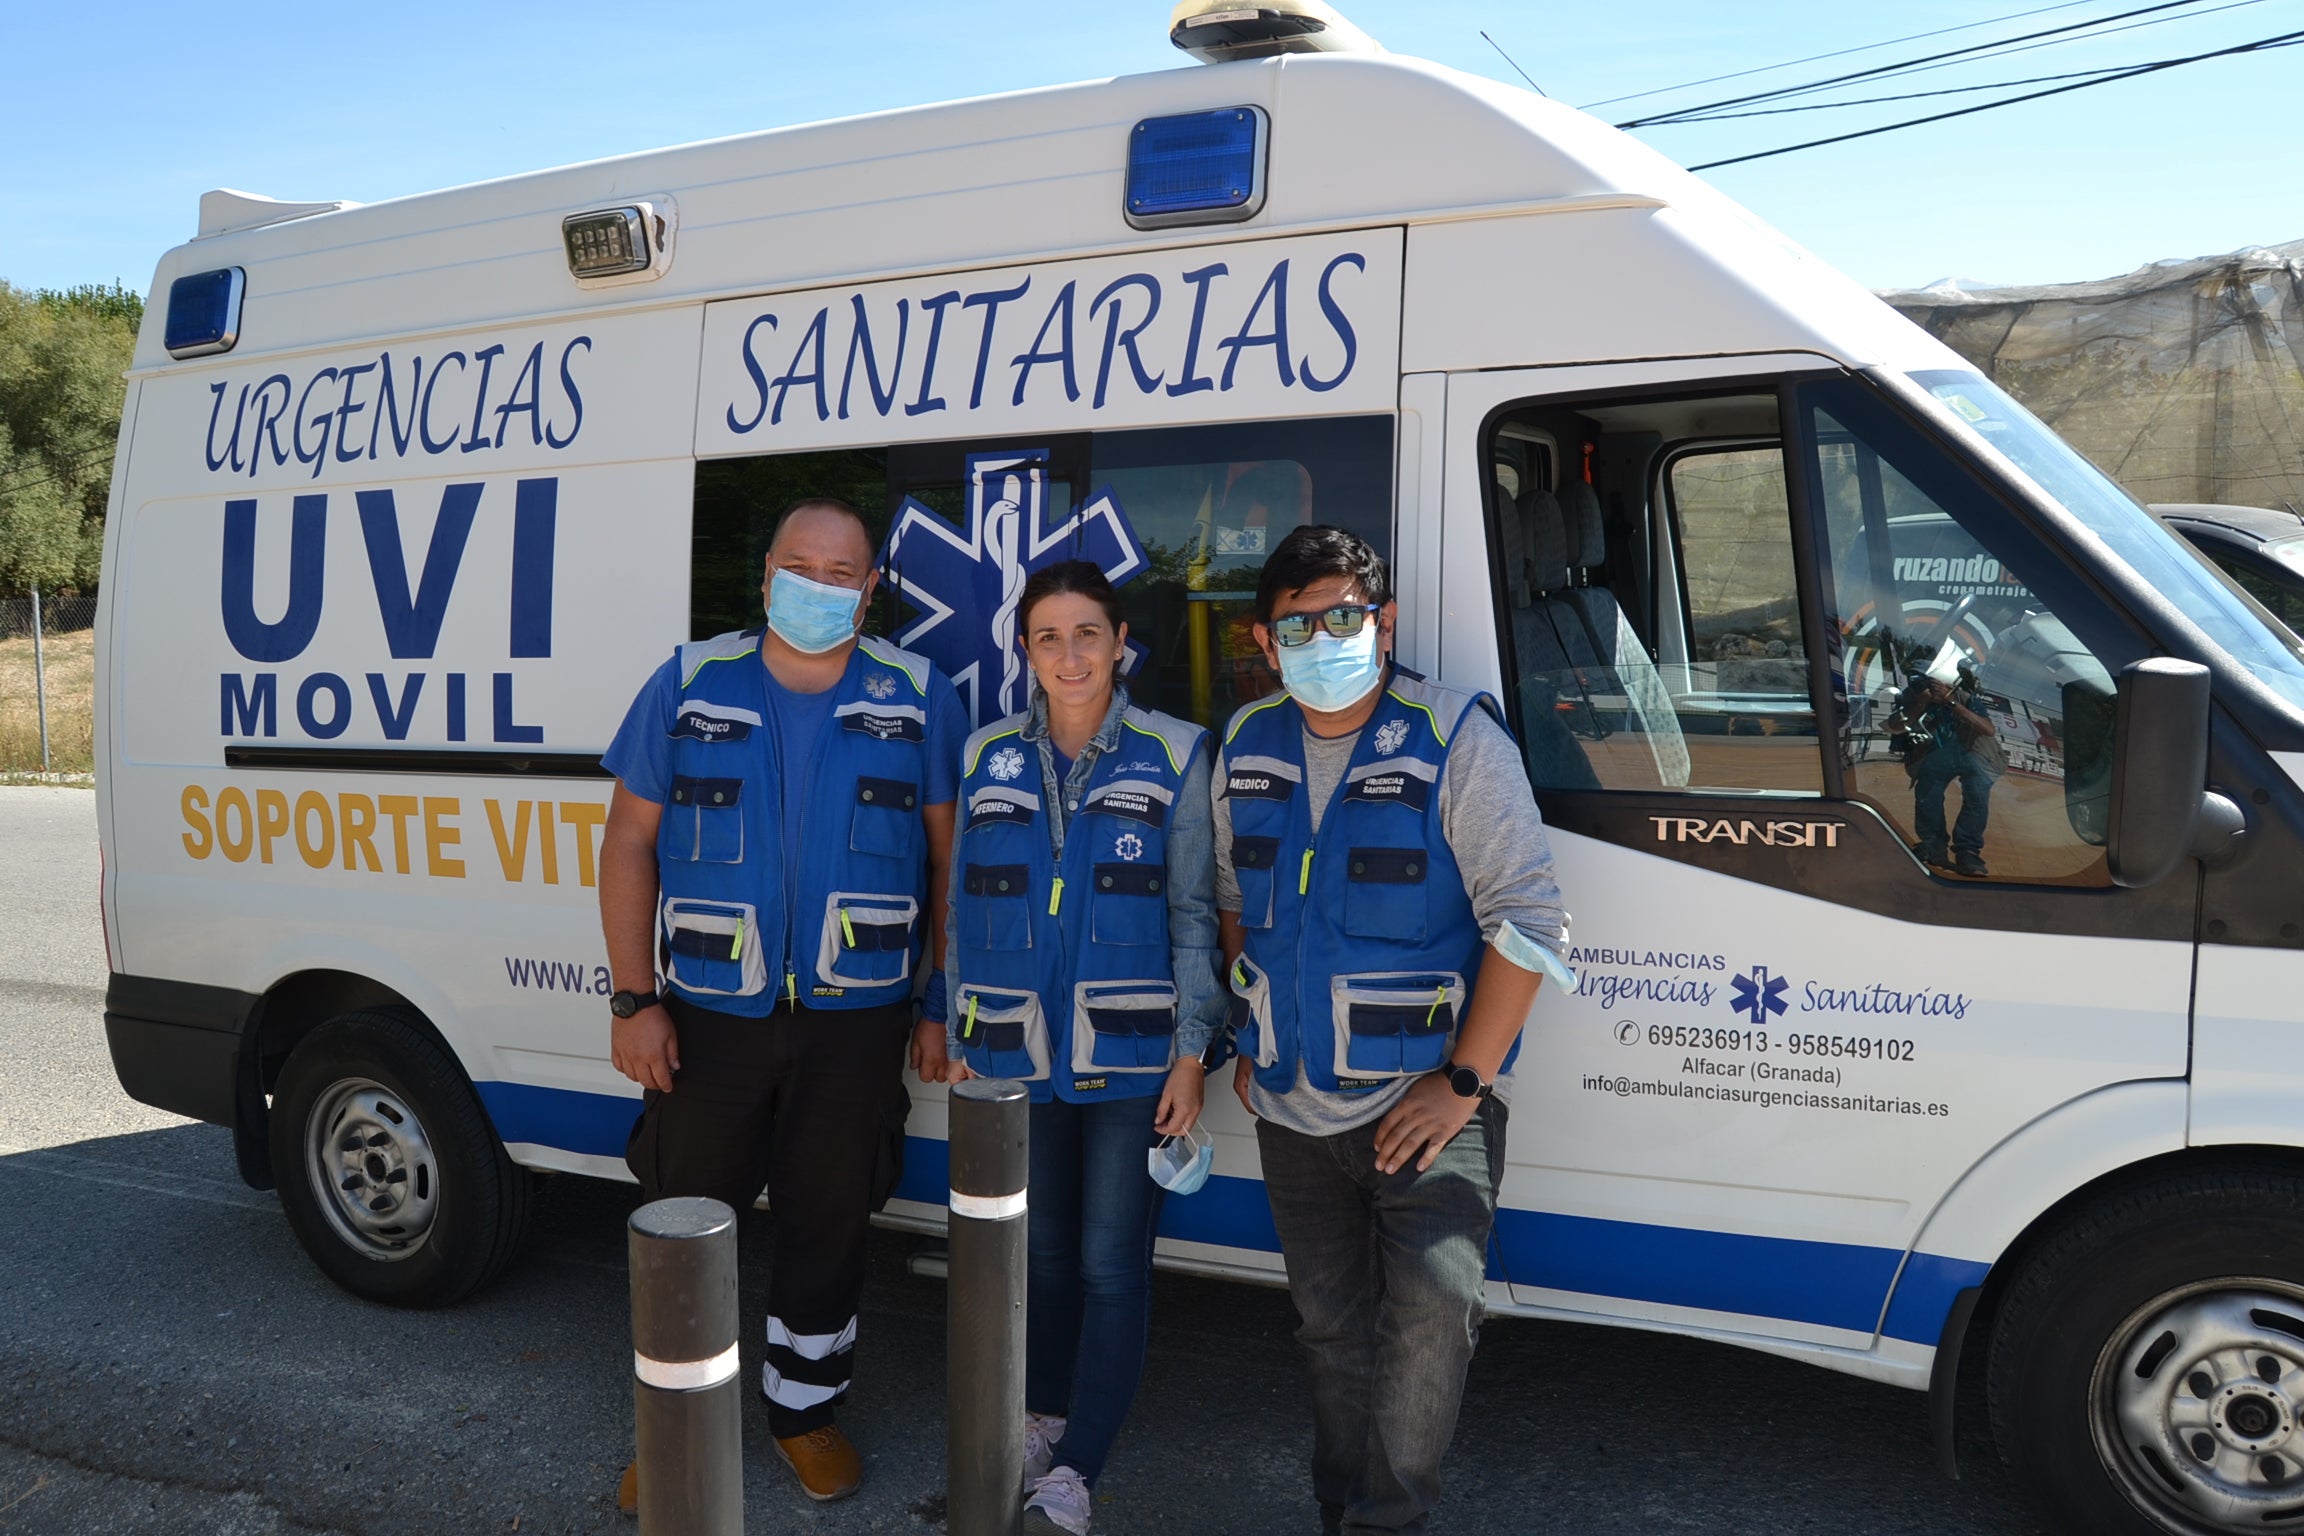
(1833, 1285)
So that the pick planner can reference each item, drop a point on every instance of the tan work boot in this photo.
(628, 1491)
(827, 1465)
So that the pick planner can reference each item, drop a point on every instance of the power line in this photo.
(2282, 40)
(1873, 101)
(1706, 115)
(1884, 69)
(1523, 74)
(1838, 53)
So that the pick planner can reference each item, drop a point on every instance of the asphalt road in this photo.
(171, 1363)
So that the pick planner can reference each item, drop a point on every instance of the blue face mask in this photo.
(809, 616)
(1180, 1164)
(1328, 674)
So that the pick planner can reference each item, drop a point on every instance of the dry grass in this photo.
(71, 670)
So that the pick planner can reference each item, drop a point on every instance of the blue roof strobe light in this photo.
(1196, 168)
(204, 312)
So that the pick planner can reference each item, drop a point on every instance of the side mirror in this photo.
(2159, 769)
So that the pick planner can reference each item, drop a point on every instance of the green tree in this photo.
(61, 360)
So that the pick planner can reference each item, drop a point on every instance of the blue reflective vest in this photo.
(731, 937)
(1062, 974)
(1362, 945)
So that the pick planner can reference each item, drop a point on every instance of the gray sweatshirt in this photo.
(1488, 816)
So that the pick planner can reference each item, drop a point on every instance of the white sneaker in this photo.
(1058, 1505)
(1041, 1432)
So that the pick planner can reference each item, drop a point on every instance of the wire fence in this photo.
(48, 684)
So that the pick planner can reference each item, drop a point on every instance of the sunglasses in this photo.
(1343, 621)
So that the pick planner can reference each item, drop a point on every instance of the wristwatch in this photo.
(1466, 1082)
(625, 1004)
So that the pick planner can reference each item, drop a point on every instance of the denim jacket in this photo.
(1200, 998)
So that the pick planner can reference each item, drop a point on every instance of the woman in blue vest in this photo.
(1082, 960)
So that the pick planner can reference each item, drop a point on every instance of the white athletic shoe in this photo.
(1041, 1432)
(1058, 1505)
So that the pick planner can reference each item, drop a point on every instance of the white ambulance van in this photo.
(1933, 822)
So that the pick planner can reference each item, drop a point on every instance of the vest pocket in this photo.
(1003, 1032)
(1393, 1023)
(712, 948)
(704, 821)
(867, 940)
(1253, 861)
(1123, 1026)
(1127, 906)
(998, 911)
(1384, 893)
(1252, 1018)
(885, 814)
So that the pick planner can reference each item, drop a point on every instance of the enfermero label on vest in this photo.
(989, 811)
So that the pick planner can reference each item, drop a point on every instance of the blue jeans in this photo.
(1933, 777)
(1387, 1272)
(1088, 1301)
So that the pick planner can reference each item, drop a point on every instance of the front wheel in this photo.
(391, 1176)
(2147, 1370)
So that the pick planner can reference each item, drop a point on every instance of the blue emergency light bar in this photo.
(1196, 168)
(204, 312)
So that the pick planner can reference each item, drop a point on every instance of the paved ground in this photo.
(171, 1363)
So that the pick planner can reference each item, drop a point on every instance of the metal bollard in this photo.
(984, 1349)
(687, 1405)
(40, 678)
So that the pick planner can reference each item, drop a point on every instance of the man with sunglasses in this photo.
(1387, 910)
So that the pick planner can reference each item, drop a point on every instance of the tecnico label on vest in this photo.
(1769, 834)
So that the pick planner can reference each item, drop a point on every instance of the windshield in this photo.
(2117, 518)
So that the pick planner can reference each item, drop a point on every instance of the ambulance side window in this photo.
(1648, 604)
(1977, 722)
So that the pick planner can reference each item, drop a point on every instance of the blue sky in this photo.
(368, 103)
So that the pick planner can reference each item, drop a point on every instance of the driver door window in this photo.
(1976, 722)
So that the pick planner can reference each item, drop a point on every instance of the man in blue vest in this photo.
(1386, 904)
(774, 866)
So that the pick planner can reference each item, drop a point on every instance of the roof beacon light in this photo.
(204, 312)
(632, 243)
(1196, 168)
(1219, 31)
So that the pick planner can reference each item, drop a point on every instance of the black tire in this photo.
(2147, 1362)
(410, 1199)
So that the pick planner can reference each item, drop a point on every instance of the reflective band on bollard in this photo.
(984, 1350)
(687, 1406)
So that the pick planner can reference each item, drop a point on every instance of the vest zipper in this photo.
(1304, 877)
(1056, 896)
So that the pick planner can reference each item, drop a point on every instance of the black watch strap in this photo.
(626, 1004)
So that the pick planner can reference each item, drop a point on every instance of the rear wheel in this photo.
(391, 1176)
(2147, 1370)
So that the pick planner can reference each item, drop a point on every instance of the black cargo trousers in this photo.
(810, 1103)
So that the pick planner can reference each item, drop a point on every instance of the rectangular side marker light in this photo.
(204, 312)
(1196, 168)
(607, 243)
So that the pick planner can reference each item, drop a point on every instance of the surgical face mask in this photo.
(810, 616)
(1180, 1164)
(1328, 674)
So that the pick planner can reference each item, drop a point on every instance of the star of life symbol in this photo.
(1391, 736)
(1006, 764)
(881, 686)
(1757, 995)
(964, 582)
(1129, 846)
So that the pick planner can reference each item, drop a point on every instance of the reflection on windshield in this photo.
(2115, 517)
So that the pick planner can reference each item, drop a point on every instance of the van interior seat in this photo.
(1603, 616)
(1629, 666)
(1546, 670)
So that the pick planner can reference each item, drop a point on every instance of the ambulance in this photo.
(1932, 820)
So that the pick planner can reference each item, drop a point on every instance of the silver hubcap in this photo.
(2196, 1402)
(369, 1162)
